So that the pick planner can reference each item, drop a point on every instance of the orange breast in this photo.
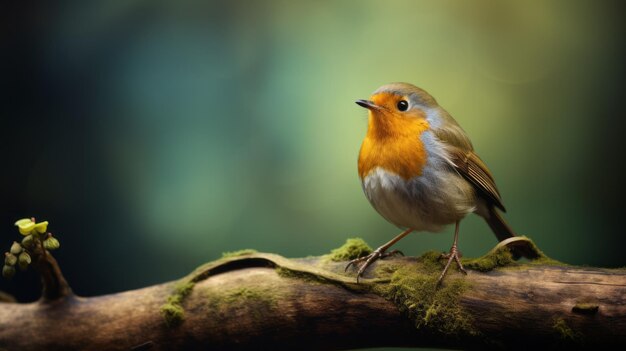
(393, 143)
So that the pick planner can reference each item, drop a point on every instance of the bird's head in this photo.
(398, 106)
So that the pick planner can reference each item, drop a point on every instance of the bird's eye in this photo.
(403, 105)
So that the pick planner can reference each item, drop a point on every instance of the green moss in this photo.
(384, 270)
(245, 294)
(184, 288)
(542, 259)
(238, 253)
(172, 311)
(585, 308)
(563, 330)
(431, 260)
(353, 248)
(547, 261)
(500, 257)
(173, 314)
(253, 301)
(414, 290)
(289, 273)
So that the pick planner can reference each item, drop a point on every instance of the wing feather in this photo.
(472, 168)
(464, 160)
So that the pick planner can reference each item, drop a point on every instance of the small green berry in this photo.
(24, 260)
(9, 259)
(51, 243)
(28, 241)
(8, 271)
(16, 248)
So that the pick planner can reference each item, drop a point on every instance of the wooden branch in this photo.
(265, 301)
(52, 280)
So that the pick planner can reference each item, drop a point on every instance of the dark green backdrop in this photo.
(156, 135)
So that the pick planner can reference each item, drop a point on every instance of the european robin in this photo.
(419, 170)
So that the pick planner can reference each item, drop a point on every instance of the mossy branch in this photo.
(249, 300)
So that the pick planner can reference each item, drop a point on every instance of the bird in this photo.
(419, 171)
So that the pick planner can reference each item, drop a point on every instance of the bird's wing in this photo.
(465, 161)
(472, 168)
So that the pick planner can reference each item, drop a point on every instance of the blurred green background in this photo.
(156, 135)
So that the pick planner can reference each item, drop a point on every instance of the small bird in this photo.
(419, 170)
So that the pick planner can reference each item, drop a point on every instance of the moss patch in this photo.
(238, 253)
(563, 330)
(173, 314)
(542, 259)
(246, 294)
(585, 308)
(254, 301)
(414, 290)
(501, 256)
(384, 269)
(353, 248)
(289, 273)
(546, 261)
(172, 311)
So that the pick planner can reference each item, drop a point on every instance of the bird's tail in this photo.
(498, 225)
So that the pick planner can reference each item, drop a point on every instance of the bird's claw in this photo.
(368, 260)
(455, 255)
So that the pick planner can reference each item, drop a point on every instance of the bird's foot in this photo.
(362, 263)
(455, 255)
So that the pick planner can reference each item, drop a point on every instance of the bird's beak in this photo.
(368, 104)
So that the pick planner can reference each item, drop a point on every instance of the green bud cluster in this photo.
(36, 241)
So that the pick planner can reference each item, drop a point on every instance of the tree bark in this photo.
(265, 301)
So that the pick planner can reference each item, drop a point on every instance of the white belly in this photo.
(427, 202)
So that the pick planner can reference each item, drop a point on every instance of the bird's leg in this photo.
(453, 255)
(380, 252)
